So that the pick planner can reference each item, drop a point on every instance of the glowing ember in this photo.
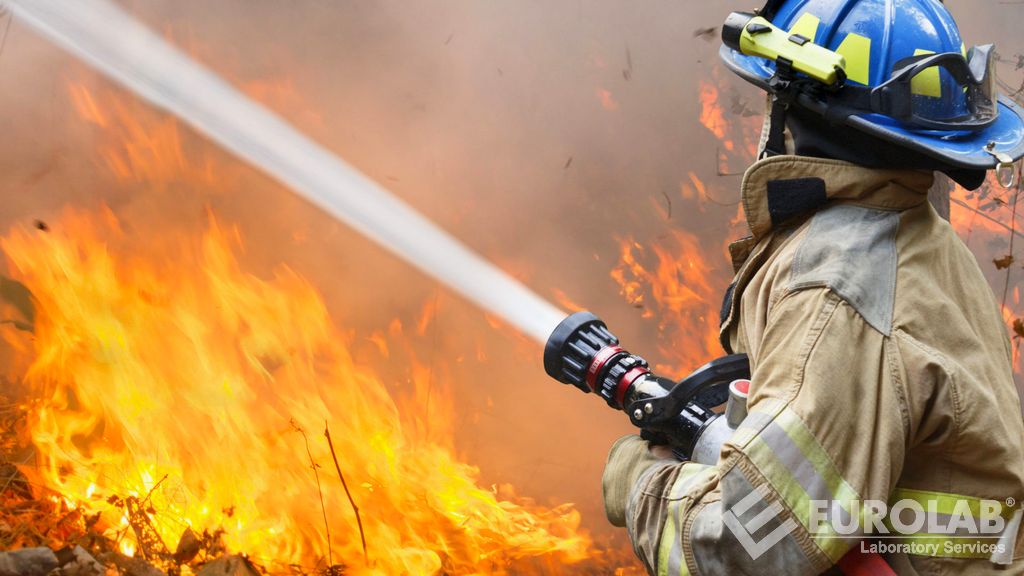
(608, 101)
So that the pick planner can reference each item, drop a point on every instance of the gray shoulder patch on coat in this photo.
(852, 251)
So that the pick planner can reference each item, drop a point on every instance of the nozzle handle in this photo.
(706, 385)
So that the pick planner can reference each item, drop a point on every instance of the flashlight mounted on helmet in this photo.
(584, 353)
(754, 35)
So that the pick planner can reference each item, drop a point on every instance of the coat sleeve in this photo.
(825, 432)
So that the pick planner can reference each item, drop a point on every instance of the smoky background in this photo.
(543, 134)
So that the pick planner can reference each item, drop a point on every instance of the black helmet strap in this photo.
(771, 7)
(784, 87)
(776, 143)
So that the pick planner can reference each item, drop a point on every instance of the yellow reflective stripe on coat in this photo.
(671, 561)
(950, 504)
(800, 470)
(941, 508)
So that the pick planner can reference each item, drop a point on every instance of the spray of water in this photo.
(103, 35)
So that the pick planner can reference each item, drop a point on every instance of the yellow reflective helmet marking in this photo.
(928, 82)
(806, 26)
(857, 51)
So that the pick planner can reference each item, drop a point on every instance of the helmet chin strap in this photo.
(775, 145)
(770, 8)
(774, 140)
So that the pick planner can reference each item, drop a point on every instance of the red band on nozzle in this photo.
(626, 381)
(600, 359)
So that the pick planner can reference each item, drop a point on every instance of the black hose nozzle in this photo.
(584, 353)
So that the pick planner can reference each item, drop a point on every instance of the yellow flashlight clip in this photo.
(755, 36)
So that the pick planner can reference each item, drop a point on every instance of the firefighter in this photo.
(881, 364)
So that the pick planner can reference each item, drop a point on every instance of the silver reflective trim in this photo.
(675, 555)
(684, 483)
(1009, 540)
(802, 470)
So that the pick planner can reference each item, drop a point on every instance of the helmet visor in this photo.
(942, 91)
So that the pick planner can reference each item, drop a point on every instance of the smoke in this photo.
(536, 132)
(153, 69)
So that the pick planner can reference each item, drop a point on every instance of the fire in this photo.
(672, 283)
(172, 390)
(608, 101)
(712, 116)
(736, 125)
(183, 383)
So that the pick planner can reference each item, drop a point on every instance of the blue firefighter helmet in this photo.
(897, 70)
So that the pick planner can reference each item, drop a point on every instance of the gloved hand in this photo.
(629, 458)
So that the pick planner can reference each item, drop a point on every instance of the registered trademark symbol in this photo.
(1010, 502)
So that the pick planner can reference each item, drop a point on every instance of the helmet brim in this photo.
(967, 150)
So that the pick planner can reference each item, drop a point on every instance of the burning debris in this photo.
(164, 415)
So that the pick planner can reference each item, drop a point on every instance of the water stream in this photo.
(106, 37)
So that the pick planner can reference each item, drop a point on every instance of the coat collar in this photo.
(782, 188)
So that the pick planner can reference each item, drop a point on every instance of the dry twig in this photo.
(359, 521)
(320, 492)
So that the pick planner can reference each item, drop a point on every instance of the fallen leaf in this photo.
(17, 295)
(1004, 262)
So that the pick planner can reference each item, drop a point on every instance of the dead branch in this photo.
(359, 521)
(963, 204)
(320, 492)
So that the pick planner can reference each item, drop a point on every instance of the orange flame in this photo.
(671, 281)
(712, 116)
(608, 101)
(162, 370)
(182, 379)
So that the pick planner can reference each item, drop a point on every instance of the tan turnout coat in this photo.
(881, 372)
